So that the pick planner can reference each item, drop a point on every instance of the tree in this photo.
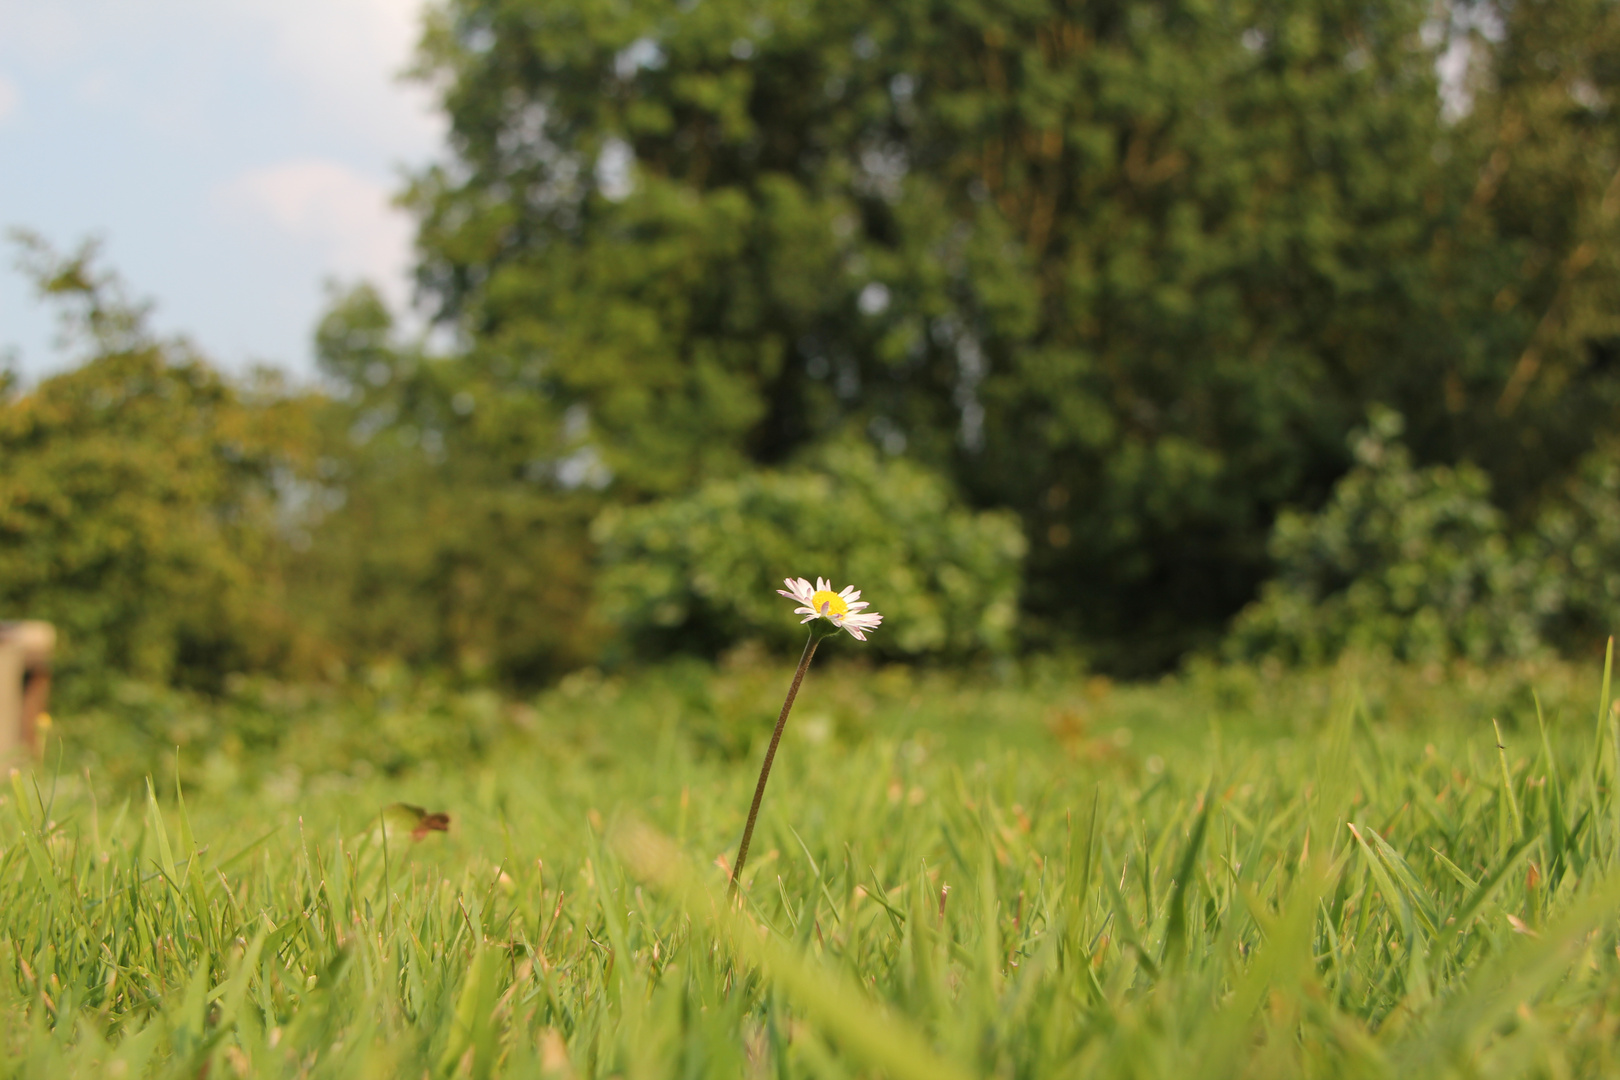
(440, 532)
(1531, 247)
(1098, 262)
(1133, 269)
(139, 499)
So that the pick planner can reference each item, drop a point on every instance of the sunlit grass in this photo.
(1039, 878)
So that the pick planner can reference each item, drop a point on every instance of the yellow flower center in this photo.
(835, 603)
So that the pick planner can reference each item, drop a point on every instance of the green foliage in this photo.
(1541, 227)
(140, 498)
(1132, 270)
(257, 733)
(703, 570)
(438, 532)
(1421, 564)
(944, 896)
(1129, 271)
(178, 526)
(1415, 562)
(1581, 530)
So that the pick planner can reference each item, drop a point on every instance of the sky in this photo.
(231, 156)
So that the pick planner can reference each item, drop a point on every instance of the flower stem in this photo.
(770, 755)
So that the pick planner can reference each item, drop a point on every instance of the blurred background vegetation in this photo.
(1133, 331)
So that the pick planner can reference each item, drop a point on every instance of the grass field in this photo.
(1014, 874)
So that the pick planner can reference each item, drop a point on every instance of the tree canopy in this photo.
(1126, 276)
(139, 501)
(1133, 270)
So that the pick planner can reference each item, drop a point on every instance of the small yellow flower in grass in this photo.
(844, 609)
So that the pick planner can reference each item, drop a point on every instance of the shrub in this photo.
(700, 572)
(1415, 562)
(1582, 531)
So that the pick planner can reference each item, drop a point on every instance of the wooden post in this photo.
(25, 684)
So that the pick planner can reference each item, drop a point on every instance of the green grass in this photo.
(1027, 874)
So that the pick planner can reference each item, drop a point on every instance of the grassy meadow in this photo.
(1013, 873)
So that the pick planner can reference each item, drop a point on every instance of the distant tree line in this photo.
(1133, 283)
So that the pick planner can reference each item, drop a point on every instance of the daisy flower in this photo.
(844, 609)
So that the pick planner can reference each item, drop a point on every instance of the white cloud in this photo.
(348, 56)
(8, 99)
(344, 215)
(338, 61)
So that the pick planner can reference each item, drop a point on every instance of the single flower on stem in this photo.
(844, 610)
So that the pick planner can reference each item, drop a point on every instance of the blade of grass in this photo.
(865, 1028)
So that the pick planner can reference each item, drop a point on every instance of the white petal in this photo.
(797, 589)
